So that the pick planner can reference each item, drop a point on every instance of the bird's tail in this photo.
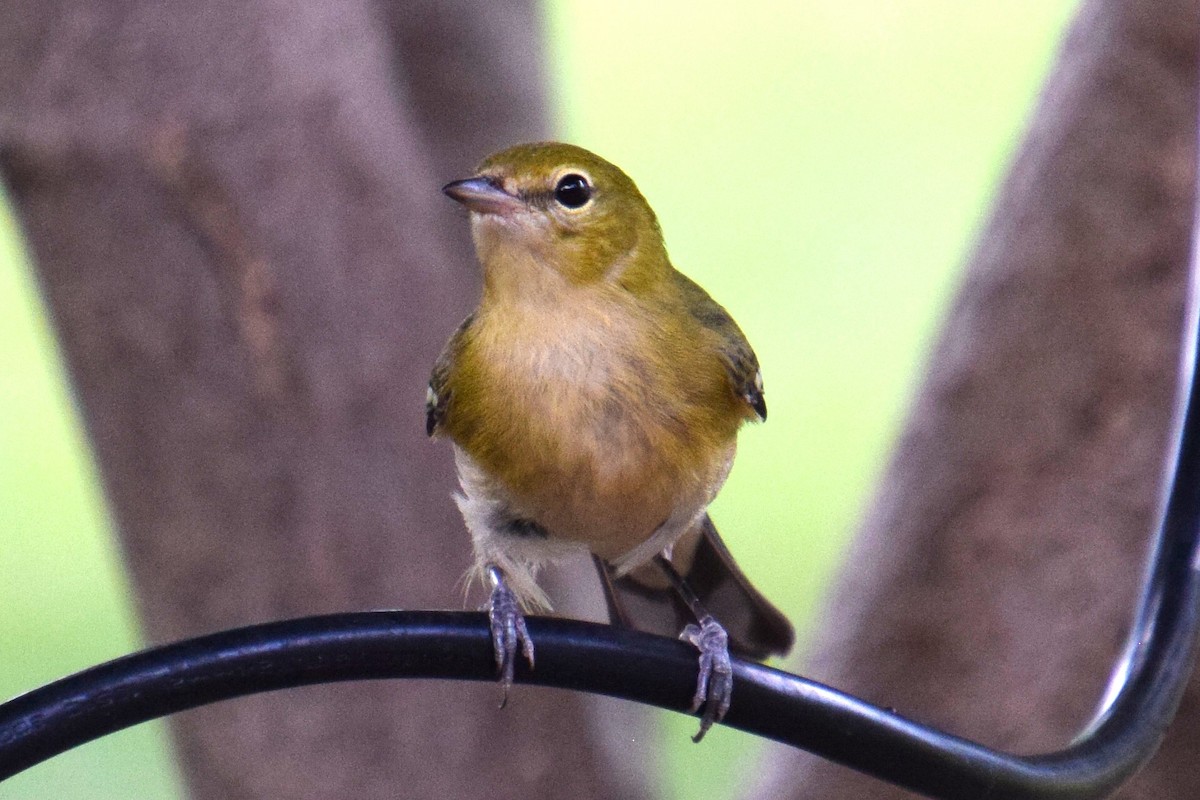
(643, 599)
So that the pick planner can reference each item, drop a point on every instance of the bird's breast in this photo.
(596, 426)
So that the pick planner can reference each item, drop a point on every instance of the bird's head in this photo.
(558, 207)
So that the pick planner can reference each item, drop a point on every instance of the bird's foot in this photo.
(714, 687)
(508, 631)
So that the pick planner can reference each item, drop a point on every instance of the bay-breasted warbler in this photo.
(594, 399)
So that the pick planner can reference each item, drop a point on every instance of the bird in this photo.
(593, 400)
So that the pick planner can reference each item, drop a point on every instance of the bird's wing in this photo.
(734, 350)
(437, 398)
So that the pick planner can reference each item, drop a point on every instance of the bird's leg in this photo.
(714, 687)
(508, 629)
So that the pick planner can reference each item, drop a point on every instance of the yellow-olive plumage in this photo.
(595, 395)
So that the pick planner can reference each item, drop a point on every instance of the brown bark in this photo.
(234, 211)
(995, 576)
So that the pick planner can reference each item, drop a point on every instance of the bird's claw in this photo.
(714, 686)
(508, 632)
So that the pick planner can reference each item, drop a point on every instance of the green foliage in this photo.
(819, 166)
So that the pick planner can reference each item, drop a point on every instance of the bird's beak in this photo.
(483, 195)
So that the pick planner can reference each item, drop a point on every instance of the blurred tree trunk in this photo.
(995, 576)
(234, 210)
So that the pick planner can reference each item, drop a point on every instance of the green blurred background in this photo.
(819, 165)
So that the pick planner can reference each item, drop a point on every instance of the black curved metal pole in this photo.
(571, 655)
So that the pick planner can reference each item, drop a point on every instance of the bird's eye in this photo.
(573, 191)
